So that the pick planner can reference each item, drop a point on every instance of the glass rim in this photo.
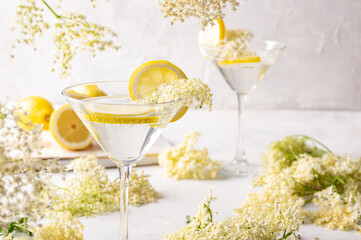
(281, 47)
(63, 93)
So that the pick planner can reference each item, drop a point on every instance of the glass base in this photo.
(239, 169)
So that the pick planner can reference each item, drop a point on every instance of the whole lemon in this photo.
(34, 109)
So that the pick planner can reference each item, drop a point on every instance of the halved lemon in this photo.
(212, 35)
(250, 59)
(68, 130)
(149, 76)
(86, 91)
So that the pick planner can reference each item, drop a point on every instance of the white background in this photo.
(320, 69)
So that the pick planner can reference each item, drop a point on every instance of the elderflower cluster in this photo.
(90, 191)
(73, 33)
(204, 10)
(258, 217)
(11, 237)
(193, 92)
(24, 179)
(184, 162)
(271, 213)
(316, 175)
(141, 191)
(342, 212)
(281, 154)
(29, 19)
(233, 46)
(62, 226)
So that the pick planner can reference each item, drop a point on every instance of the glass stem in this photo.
(240, 157)
(124, 174)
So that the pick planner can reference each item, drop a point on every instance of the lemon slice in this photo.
(68, 130)
(120, 115)
(212, 35)
(149, 76)
(251, 59)
(34, 109)
(119, 119)
(85, 91)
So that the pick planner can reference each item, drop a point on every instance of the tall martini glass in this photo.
(243, 75)
(124, 129)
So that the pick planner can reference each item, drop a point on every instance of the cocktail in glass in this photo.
(123, 128)
(243, 73)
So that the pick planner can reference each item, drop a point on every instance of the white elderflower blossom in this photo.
(336, 211)
(11, 237)
(73, 33)
(29, 21)
(193, 92)
(274, 219)
(281, 154)
(61, 227)
(184, 162)
(141, 191)
(91, 192)
(204, 10)
(275, 211)
(233, 46)
(24, 178)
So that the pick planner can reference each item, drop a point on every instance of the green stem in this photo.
(316, 141)
(47, 5)
(23, 229)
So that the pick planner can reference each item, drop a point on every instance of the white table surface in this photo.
(340, 131)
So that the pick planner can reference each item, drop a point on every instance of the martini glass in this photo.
(124, 129)
(243, 75)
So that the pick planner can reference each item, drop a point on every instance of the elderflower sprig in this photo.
(338, 211)
(281, 154)
(29, 18)
(24, 178)
(183, 161)
(193, 92)
(8, 228)
(233, 46)
(257, 218)
(204, 10)
(90, 191)
(73, 33)
(59, 226)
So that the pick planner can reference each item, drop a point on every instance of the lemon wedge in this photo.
(212, 35)
(85, 91)
(149, 76)
(68, 130)
(33, 109)
(251, 59)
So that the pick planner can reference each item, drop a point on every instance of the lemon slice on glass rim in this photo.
(149, 76)
(212, 35)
